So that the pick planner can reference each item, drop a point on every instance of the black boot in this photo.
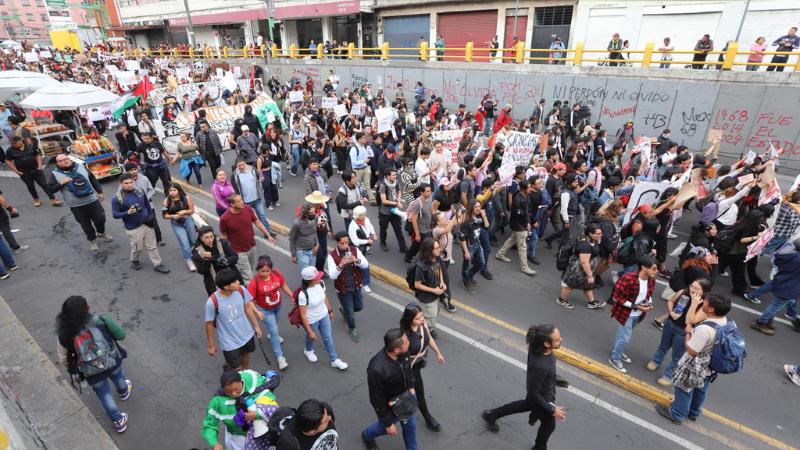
(491, 422)
(432, 424)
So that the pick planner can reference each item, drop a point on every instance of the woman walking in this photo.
(221, 189)
(303, 241)
(264, 168)
(419, 339)
(178, 208)
(469, 236)
(76, 326)
(582, 268)
(191, 161)
(362, 235)
(317, 315)
(266, 289)
(212, 254)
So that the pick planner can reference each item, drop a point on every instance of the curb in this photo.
(47, 410)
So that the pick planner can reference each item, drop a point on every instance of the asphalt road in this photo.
(174, 377)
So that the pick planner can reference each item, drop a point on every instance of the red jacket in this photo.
(627, 290)
(502, 120)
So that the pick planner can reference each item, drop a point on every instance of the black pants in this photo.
(548, 422)
(90, 214)
(213, 162)
(699, 57)
(414, 248)
(270, 189)
(419, 388)
(738, 272)
(154, 173)
(752, 274)
(5, 227)
(383, 223)
(778, 59)
(342, 159)
(35, 176)
(614, 56)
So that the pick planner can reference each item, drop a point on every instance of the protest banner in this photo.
(757, 247)
(31, 57)
(450, 140)
(329, 102)
(295, 96)
(213, 89)
(518, 152)
(770, 194)
(540, 172)
(341, 111)
(644, 192)
(356, 109)
(384, 118)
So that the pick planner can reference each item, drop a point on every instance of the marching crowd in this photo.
(443, 207)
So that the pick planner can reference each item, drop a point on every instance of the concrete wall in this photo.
(750, 107)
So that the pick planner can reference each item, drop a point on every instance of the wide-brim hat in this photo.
(317, 198)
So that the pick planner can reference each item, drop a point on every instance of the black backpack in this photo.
(411, 276)
(726, 238)
(562, 259)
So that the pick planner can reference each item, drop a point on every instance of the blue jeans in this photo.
(367, 277)
(774, 243)
(295, 158)
(688, 402)
(258, 207)
(474, 264)
(487, 249)
(305, 258)
(487, 126)
(103, 391)
(5, 254)
(672, 337)
(270, 190)
(627, 269)
(532, 240)
(186, 236)
(624, 336)
(322, 329)
(542, 223)
(409, 427)
(352, 302)
(322, 254)
(271, 317)
(775, 307)
(194, 167)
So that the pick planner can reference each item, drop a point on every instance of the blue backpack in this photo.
(728, 353)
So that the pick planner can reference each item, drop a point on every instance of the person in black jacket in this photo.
(389, 375)
(312, 426)
(252, 122)
(212, 254)
(520, 227)
(540, 386)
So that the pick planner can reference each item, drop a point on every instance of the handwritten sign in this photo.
(644, 193)
(384, 117)
(356, 109)
(295, 96)
(686, 192)
(714, 135)
(751, 156)
(329, 102)
(341, 111)
(450, 140)
(757, 247)
(132, 64)
(518, 152)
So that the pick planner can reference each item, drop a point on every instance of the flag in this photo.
(124, 102)
(252, 76)
(143, 88)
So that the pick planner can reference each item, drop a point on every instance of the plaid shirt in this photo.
(627, 290)
(787, 221)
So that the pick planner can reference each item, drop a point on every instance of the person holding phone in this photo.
(346, 265)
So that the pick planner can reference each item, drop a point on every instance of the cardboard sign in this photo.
(757, 247)
(341, 111)
(356, 110)
(643, 193)
(450, 141)
(714, 135)
(329, 102)
(295, 96)
(686, 192)
(518, 152)
(384, 118)
(744, 179)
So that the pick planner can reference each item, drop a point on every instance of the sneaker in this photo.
(122, 424)
(273, 233)
(93, 246)
(672, 236)
(473, 283)
(488, 275)
(753, 299)
(12, 268)
(37, 202)
(448, 306)
(354, 336)
(614, 276)
(277, 204)
(21, 249)
(789, 317)
(468, 289)
(564, 303)
(758, 326)
(625, 358)
(292, 173)
(192, 267)
(161, 243)
(664, 412)
(724, 274)
(366, 289)
(503, 258)
(310, 355)
(280, 186)
(664, 382)
(597, 304)
(282, 364)
(371, 445)
(136, 265)
(617, 364)
(270, 207)
(651, 366)
(792, 372)
(665, 274)
(280, 339)
(4, 276)
(339, 364)
(658, 324)
(161, 269)
(105, 236)
(127, 394)
(56, 202)
(534, 260)
(384, 247)
(528, 271)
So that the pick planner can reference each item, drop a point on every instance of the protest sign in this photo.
(132, 64)
(450, 140)
(714, 135)
(126, 79)
(229, 82)
(540, 172)
(45, 54)
(31, 57)
(329, 102)
(518, 152)
(384, 118)
(295, 96)
(411, 118)
(744, 179)
(643, 193)
(686, 192)
(770, 194)
(356, 110)
(768, 176)
(341, 111)
(751, 156)
(213, 89)
(757, 247)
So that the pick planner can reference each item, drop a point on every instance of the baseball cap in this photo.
(616, 35)
(560, 166)
(537, 156)
(245, 128)
(571, 178)
(443, 181)
(311, 273)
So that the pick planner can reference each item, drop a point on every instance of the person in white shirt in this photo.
(316, 315)
(423, 167)
(362, 235)
(442, 159)
(727, 209)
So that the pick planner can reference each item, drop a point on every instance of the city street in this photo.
(174, 377)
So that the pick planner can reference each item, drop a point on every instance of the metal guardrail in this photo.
(518, 54)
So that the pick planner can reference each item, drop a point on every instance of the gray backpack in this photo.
(94, 352)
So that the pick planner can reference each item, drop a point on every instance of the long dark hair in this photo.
(73, 316)
(181, 194)
(537, 336)
(426, 251)
(409, 313)
(204, 230)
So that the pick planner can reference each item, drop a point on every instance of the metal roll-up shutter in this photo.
(477, 27)
(522, 25)
(405, 31)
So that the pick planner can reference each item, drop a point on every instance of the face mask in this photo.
(312, 217)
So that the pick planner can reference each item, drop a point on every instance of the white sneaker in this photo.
(339, 364)
(366, 289)
(192, 267)
(93, 246)
(310, 355)
(615, 276)
(282, 364)
(672, 236)
(21, 249)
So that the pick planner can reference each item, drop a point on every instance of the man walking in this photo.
(210, 147)
(569, 208)
(633, 297)
(348, 197)
(245, 183)
(388, 376)
(390, 192)
(83, 194)
(345, 265)
(236, 226)
(26, 162)
(540, 386)
(359, 160)
(144, 184)
(247, 146)
(5, 226)
(784, 286)
(520, 227)
(420, 218)
(155, 167)
(131, 205)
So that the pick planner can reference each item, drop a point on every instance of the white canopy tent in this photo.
(69, 95)
(18, 81)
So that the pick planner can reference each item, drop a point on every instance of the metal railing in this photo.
(517, 55)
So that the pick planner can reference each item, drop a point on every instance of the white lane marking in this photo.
(743, 308)
(516, 363)
(8, 174)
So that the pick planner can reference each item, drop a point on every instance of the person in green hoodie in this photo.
(234, 404)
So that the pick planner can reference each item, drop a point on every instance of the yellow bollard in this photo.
(385, 51)
(274, 51)
(293, 51)
(136, 53)
(191, 52)
(648, 54)
(225, 52)
(468, 52)
(578, 54)
(424, 53)
(730, 56)
(320, 51)
(245, 51)
(351, 51)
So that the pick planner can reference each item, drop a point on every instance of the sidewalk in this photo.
(38, 407)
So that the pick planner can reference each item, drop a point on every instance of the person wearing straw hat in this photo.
(323, 219)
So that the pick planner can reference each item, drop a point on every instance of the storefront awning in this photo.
(218, 19)
(341, 8)
(136, 28)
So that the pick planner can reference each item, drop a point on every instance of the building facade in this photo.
(33, 21)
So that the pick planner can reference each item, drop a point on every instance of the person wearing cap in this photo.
(346, 265)
(557, 45)
(316, 315)
(26, 162)
(615, 47)
(247, 145)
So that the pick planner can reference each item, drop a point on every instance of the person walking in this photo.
(26, 162)
(469, 236)
(316, 315)
(362, 235)
(221, 190)
(178, 208)
(212, 254)
(228, 310)
(784, 286)
(144, 184)
(82, 194)
(420, 219)
(132, 206)
(5, 226)
(413, 324)
(633, 298)
(312, 426)
(77, 328)
(346, 265)
(267, 288)
(247, 146)
(209, 146)
(191, 160)
(360, 162)
(303, 240)
(540, 386)
(390, 381)
(236, 226)
(582, 268)
(390, 193)
(265, 168)
(431, 282)
(348, 197)
(520, 228)
(245, 182)
(155, 167)
(568, 211)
